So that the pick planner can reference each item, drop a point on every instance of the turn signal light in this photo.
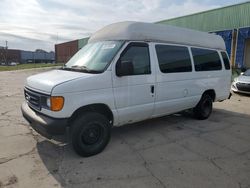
(56, 103)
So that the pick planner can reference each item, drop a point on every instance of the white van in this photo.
(128, 72)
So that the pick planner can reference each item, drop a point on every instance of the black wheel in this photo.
(90, 134)
(204, 108)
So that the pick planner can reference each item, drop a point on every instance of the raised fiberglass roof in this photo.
(139, 31)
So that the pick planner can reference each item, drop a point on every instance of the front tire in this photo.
(90, 134)
(204, 108)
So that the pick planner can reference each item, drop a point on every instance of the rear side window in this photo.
(225, 60)
(206, 60)
(173, 58)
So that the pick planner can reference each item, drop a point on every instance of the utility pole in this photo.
(33, 57)
(6, 53)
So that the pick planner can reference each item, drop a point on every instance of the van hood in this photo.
(46, 81)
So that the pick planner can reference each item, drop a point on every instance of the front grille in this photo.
(243, 86)
(33, 99)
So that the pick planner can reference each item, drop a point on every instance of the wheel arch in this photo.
(97, 107)
(211, 93)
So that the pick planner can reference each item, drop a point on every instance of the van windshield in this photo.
(94, 57)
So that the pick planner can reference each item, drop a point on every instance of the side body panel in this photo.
(174, 91)
(180, 91)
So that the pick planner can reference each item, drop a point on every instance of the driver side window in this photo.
(138, 54)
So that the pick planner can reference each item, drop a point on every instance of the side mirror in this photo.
(124, 68)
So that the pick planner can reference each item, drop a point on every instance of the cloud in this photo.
(30, 23)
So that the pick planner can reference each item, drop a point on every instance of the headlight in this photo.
(54, 103)
(48, 102)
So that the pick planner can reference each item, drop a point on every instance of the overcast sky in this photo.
(33, 24)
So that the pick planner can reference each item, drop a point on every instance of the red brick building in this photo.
(65, 51)
(10, 55)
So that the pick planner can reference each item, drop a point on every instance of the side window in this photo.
(225, 60)
(206, 60)
(173, 58)
(138, 54)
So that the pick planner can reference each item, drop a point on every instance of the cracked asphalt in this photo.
(173, 151)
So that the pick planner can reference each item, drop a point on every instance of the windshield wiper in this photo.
(64, 68)
(81, 68)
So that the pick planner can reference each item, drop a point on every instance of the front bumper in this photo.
(44, 125)
(240, 87)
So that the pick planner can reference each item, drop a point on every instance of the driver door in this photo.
(135, 93)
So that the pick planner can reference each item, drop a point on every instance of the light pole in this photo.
(6, 53)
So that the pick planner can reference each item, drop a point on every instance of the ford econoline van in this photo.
(128, 72)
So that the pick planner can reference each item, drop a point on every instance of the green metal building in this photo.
(231, 22)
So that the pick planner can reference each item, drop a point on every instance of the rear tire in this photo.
(204, 108)
(90, 134)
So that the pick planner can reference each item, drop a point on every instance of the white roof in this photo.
(139, 31)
